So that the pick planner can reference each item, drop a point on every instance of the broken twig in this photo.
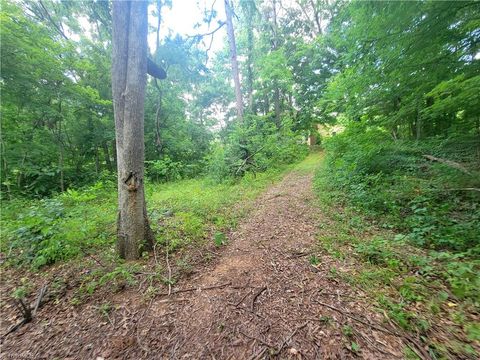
(196, 289)
(257, 294)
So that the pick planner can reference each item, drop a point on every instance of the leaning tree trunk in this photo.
(129, 75)
(233, 59)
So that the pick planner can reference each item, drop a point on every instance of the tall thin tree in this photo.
(233, 58)
(129, 74)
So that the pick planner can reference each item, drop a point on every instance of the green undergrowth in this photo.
(425, 281)
(197, 210)
(79, 223)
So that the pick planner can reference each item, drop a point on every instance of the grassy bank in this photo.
(404, 238)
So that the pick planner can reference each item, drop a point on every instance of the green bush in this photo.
(164, 169)
(392, 179)
(41, 232)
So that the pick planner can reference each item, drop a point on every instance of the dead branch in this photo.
(450, 163)
(15, 327)
(257, 294)
(40, 296)
(373, 326)
(372, 344)
(241, 300)
(26, 310)
(248, 158)
(290, 337)
(95, 259)
(259, 354)
(273, 197)
(260, 341)
(137, 333)
(199, 36)
(196, 289)
(298, 255)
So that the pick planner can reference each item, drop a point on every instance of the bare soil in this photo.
(261, 298)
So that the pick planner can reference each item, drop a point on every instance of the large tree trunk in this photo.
(233, 59)
(97, 161)
(129, 75)
(114, 154)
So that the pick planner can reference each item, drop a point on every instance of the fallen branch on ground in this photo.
(298, 255)
(257, 294)
(257, 339)
(26, 310)
(450, 163)
(196, 289)
(241, 300)
(290, 337)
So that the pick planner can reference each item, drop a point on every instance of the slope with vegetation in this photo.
(408, 162)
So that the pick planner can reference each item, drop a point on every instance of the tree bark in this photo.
(250, 70)
(276, 103)
(129, 75)
(317, 17)
(418, 125)
(60, 166)
(249, 14)
(114, 154)
(233, 59)
(60, 151)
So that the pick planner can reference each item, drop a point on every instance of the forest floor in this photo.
(269, 293)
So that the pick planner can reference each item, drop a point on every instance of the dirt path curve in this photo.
(275, 303)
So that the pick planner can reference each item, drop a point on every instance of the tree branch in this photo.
(449, 163)
(60, 31)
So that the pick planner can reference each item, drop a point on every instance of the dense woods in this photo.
(389, 90)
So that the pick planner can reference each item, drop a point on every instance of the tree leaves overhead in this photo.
(393, 54)
(411, 68)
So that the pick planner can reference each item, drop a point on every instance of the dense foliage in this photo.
(57, 116)
(58, 137)
(403, 85)
(401, 78)
(435, 205)
(407, 92)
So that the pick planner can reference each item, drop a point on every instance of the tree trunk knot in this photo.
(132, 181)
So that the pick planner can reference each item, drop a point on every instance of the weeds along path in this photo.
(270, 300)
